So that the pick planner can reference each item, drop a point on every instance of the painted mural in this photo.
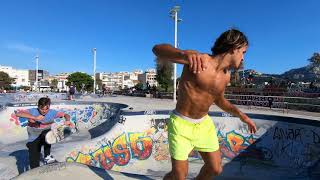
(25, 97)
(91, 115)
(279, 145)
(13, 129)
(151, 143)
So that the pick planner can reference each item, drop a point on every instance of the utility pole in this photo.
(174, 15)
(94, 69)
(37, 69)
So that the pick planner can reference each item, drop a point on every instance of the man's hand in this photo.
(251, 125)
(197, 62)
(31, 120)
(39, 118)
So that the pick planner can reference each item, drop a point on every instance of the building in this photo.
(62, 81)
(42, 75)
(20, 76)
(119, 80)
(112, 81)
(149, 77)
(43, 82)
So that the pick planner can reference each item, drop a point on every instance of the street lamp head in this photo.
(94, 49)
(174, 9)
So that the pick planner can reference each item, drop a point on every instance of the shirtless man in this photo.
(203, 83)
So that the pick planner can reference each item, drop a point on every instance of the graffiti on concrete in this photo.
(281, 145)
(287, 134)
(298, 145)
(236, 146)
(23, 97)
(159, 134)
(154, 143)
(23, 122)
(89, 116)
(125, 147)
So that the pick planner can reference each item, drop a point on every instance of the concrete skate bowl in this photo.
(282, 148)
(92, 120)
(34, 97)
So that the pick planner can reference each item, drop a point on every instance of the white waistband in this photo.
(187, 118)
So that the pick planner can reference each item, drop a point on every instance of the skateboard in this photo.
(58, 133)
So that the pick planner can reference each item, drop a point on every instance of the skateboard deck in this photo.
(58, 133)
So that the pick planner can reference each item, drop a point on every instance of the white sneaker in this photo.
(49, 159)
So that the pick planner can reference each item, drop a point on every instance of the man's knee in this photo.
(174, 175)
(216, 170)
(180, 173)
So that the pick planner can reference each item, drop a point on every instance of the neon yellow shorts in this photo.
(185, 136)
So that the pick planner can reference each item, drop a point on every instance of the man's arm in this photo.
(225, 105)
(170, 53)
(197, 62)
(30, 117)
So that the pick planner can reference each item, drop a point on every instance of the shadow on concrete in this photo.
(103, 127)
(109, 123)
(106, 175)
(22, 160)
(100, 172)
(288, 149)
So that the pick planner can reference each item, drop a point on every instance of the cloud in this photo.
(25, 48)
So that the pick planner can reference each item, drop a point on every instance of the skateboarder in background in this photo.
(72, 90)
(40, 120)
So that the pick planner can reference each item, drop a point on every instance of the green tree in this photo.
(79, 78)
(5, 80)
(235, 78)
(315, 59)
(54, 84)
(139, 86)
(164, 74)
(315, 64)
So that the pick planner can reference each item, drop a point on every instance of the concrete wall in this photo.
(86, 116)
(136, 142)
(139, 145)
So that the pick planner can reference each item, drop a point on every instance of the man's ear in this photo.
(232, 51)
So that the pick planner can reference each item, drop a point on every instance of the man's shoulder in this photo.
(53, 111)
(33, 111)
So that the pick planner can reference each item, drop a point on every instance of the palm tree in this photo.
(315, 64)
(315, 59)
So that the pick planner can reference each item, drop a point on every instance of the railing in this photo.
(251, 103)
(290, 92)
(280, 102)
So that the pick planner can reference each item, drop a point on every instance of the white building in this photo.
(20, 76)
(62, 80)
(111, 80)
(150, 77)
(119, 80)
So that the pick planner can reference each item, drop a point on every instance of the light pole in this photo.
(174, 15)
(94, 69)
(37, 68)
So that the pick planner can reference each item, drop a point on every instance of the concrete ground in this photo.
(143, 104)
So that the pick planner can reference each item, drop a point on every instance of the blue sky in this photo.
(283, 34)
